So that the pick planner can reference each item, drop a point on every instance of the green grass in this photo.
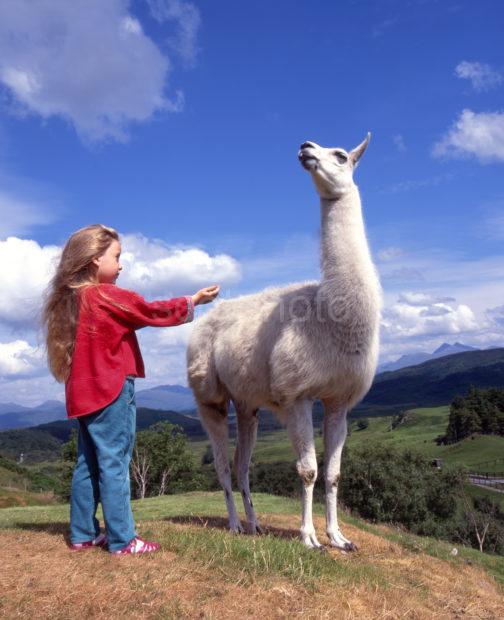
(252, 557)
(185, 505)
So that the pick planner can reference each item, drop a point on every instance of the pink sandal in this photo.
(137, 545)
(99, 541)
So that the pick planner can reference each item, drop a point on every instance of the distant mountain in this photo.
(167, 398)
(11, 408)
(437, 381)
(17, 416)
(412, 359)
(162, 397)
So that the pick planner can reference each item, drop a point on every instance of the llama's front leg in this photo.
(247, 423)
(215, 422)
(300, 430)
(335, 431)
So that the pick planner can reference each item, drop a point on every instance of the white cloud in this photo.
(25, 270)
(399, 143)
(422, 299)
(390, 253)
(164, 353)
(403, 320)
(401, 275)
(474, 134)
(380, 28)
(156, 269)
(30, 391)
(20, 359)
(481, 76)
(496, 315)
(413, 184)
(88, 62)
(188, 18)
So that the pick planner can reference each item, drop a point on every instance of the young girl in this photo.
(92, 347)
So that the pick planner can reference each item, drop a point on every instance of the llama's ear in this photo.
(358, 151)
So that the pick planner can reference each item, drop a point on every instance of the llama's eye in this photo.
(341, 157)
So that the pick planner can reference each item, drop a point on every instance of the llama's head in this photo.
(331, 169)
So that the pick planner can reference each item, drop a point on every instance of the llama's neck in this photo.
(348, 275)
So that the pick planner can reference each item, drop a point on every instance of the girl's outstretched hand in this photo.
(206, 295)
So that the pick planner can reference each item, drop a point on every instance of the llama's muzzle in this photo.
(307, 157)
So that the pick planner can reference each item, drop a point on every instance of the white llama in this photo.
(285, 347)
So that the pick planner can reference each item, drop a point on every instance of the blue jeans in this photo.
(105, 446)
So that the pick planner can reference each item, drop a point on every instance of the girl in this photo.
(92, 347)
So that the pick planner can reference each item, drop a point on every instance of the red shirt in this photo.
(106, 348)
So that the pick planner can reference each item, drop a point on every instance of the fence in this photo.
(493, 480)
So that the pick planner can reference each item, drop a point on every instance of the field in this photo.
(205, 572)
(418, 432)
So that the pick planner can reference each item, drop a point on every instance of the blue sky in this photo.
(178, 123)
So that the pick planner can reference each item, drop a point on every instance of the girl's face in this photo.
(108, 264)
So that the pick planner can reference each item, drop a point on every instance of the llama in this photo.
(284, 347)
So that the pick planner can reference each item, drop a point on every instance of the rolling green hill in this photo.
(438, 381)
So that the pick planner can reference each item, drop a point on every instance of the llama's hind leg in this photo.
(300, 430)
(247, 423)
(214, 418)
(335, 431)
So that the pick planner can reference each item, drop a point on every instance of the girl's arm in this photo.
(131, 308)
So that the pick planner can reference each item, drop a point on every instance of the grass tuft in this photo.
(243, 559)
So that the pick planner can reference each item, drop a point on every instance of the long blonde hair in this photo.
(75, 271)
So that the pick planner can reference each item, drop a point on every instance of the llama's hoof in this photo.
(255, 528)
(340, 542)
(236, 529)
(310, 540)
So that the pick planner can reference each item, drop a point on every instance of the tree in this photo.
(69, 449)
(482, 524)
(362, 424)
(140, 466)
(481, 411)
(384, 484)
(161, 462)
(68, 456)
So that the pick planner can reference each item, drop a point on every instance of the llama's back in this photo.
(231, 345)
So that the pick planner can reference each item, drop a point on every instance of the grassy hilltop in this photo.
(205, 572)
